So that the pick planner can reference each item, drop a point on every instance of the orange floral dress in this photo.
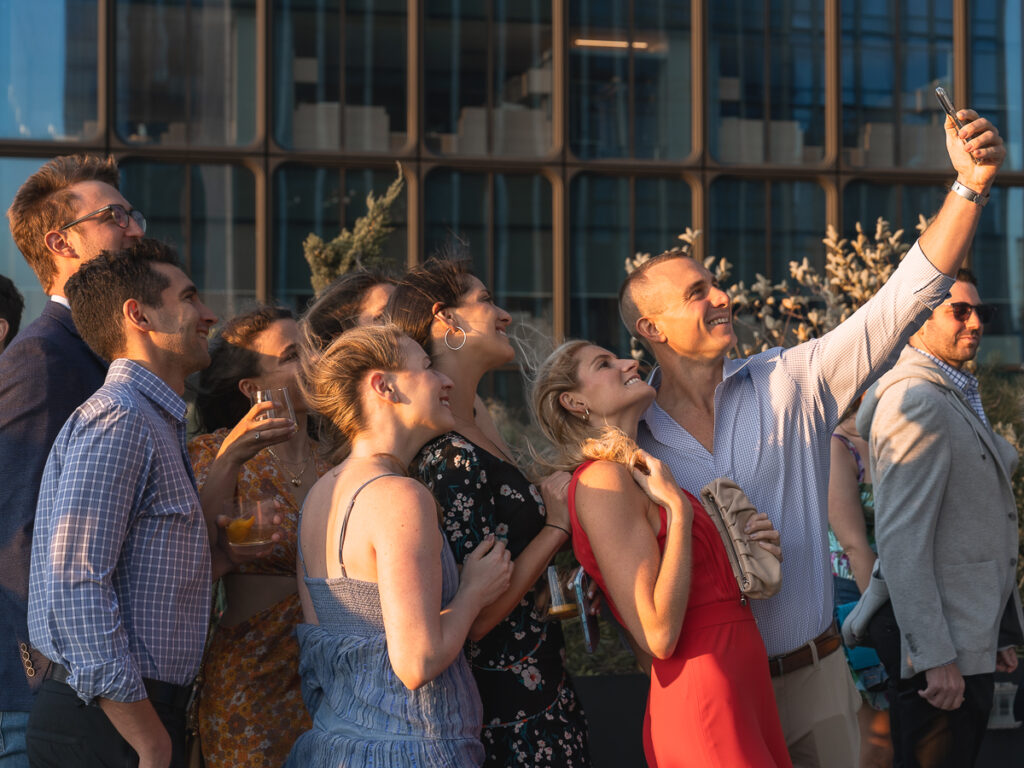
(250, 701)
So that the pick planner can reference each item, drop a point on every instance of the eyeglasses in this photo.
(962, 311)
(121, 216)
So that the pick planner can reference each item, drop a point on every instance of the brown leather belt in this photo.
(827, 642)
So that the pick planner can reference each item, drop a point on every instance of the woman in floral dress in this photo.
(250, 705)
(531, 713)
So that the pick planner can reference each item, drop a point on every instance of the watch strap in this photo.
(969, 194)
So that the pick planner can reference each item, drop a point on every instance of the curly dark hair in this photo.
(336, 309)
(219, 401)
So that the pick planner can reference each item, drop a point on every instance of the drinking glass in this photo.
(562, 603)
(251, 523)
(280, 398)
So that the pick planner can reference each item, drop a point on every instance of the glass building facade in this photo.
(555, 137)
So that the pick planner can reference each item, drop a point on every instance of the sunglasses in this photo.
(121, 216)
(962, 310)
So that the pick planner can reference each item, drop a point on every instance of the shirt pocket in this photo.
(971, 596)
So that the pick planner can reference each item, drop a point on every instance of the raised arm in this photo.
(649, 589)
(423, 640)
(839, 366)
(976, 152)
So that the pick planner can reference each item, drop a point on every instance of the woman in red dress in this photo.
(661, 564)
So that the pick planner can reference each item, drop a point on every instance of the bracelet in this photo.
(969, 194)
(563, 530)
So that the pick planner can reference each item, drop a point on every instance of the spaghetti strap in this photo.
(344, 522)
(344, 525)
(856, 454)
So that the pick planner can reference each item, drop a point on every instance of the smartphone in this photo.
(580, 585)
(947, 105)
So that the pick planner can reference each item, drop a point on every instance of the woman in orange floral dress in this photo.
(250, 702)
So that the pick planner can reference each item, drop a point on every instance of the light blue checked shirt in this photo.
(119, 587)
(774, 416)
(963, 381)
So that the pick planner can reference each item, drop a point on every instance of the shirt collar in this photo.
(961, 379)
(60, 300)
(149, 384)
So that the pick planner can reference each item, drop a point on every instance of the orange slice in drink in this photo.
(238, 530)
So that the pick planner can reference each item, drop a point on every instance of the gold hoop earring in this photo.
(448, 343)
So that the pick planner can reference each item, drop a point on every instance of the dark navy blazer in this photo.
(45, 374)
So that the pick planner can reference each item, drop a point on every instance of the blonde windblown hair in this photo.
(574, 439)
(332, 380)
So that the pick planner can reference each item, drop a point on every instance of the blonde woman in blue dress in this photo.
(381, 657)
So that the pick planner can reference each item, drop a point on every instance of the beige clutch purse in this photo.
(757, 571)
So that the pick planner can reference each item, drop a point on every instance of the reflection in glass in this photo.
(328, 54)
(999, 265)
(893, 55)
(766, 82)
(463, 42)
(629, 85)
(899, 204)
(505, 222)
(13, 172)
(761, 226)
(600, 240)
(186, 72)
(323, 201)
(997, 61)
(48, 69)
(208, 213)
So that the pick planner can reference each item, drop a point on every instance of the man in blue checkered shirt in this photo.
(119, 591)
(767, 421)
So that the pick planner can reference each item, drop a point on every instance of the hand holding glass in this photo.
(563, 602)
(282, 403)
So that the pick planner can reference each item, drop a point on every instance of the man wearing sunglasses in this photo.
(64, 214)
(946, 527)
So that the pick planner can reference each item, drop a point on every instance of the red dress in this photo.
(711, 703)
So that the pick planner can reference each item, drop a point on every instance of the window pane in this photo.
(515, 259)
(314, 74)
(998, 261)
(13, 172)
(463, 42)
(186, 72)
(323, 201)
(997, 43)
(767, 81)
(663, 212)
(598, 246)
(893, 55)
(208, 212)
(762, 226)
(900, 205)
(48, 69)
(612, 115)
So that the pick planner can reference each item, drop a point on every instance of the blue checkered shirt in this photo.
(963, 381)
(120, 579)
(774, 416)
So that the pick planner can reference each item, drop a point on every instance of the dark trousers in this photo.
(923, 735)
(63, 732)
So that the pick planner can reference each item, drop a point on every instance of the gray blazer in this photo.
(945, 519)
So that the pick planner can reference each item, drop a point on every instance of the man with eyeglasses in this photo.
(65, 214)
(946, 527)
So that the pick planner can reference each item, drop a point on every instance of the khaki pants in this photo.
(818, 709)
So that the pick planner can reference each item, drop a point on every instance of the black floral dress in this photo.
(531, 713)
